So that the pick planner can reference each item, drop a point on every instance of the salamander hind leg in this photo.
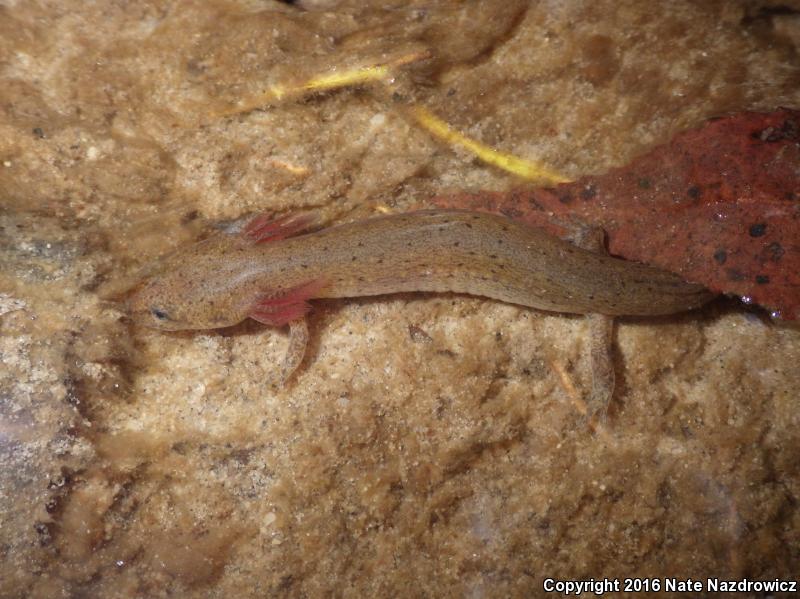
(601, 332)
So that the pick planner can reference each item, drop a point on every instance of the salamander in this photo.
(270, 270)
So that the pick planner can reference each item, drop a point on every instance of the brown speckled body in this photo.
(216, 282)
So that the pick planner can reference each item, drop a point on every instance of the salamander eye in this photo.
(159, 314)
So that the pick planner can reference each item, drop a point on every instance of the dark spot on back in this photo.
(721, 256)
(758, 230)
(694, 192)
(762, 279)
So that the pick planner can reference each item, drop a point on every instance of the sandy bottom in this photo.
(432, 445)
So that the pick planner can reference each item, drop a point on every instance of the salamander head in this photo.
(187, 296)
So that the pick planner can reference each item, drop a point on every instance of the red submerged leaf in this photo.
(719, 205)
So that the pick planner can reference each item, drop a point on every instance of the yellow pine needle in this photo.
(508, 162)
(327, 81)
(345, 78)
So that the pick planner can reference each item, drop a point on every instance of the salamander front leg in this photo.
(298, 340)
(288, 306)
